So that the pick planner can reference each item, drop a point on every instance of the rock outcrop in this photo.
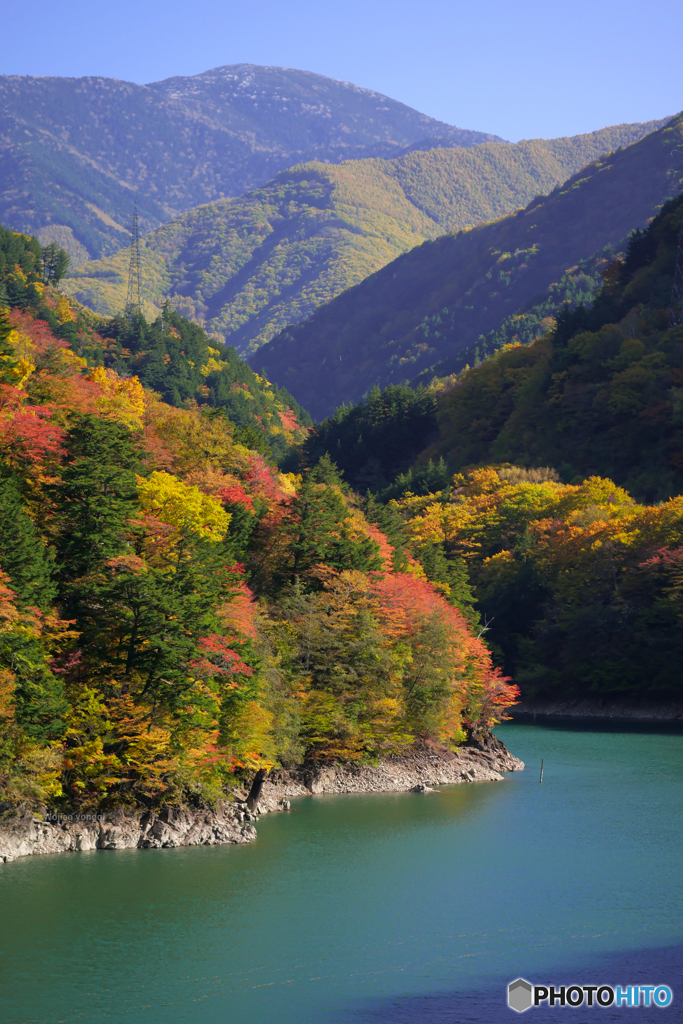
(421, 768)
(586, 707)
(35, 834)
(483, 760)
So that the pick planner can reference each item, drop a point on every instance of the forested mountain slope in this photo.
(564, 517)
(174, 612)
(427, 306)
(599, 394)
(75, 152)
(246, 268)
(170, 354)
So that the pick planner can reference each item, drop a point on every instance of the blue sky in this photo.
(524, 69)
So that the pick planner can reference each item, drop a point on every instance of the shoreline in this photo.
(231, 822)
(664, 712)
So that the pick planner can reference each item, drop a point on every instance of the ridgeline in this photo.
(419, 315)
(247, 268)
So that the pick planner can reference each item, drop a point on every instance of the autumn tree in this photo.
(8, 362)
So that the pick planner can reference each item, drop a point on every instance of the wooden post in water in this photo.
(541, 778)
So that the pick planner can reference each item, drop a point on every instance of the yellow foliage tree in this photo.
(23, 354)
(65, 313)
(196, 440)
(210, 366)
(183, 506)
(122, 399)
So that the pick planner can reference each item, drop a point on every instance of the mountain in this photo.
(419, 312)
(552, 493)
(600, 394)
(247, 268)
(566, 501)
(76, 152)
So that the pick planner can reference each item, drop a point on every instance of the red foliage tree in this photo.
(236, 495)
(217, 658)
(27, 434)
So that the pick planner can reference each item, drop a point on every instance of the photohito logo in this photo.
(522, 995)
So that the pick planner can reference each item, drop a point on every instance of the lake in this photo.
(399, 908)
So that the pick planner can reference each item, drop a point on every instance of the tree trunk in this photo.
(481, 738)
(256, 787)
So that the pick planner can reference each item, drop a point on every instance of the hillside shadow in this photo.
(488, 1005)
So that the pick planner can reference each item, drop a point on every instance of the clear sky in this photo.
(524, 69)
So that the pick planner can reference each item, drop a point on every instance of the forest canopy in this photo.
(174, 611)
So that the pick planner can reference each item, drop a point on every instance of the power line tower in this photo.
(676, 306)
(134, 299)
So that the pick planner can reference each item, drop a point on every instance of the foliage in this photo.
(26, 266)
(176, 358)
(183, 506)
(579, 586)
(175, 613)
(377, 439)
(126, 354)
(23, 554)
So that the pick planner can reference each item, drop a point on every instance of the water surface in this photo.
(382, 908)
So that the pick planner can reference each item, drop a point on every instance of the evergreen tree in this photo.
(39, 702)
(23, 555)
(96, 496)
(56, 262)
(141, 627)
(327, 472)
(451, 571)
(319, 529)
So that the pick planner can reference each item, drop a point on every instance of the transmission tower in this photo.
(676, 307)
(134, 299)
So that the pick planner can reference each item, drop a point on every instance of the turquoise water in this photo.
(391, 907)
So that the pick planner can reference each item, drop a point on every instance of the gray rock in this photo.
(25, 835)
(231, 822)
(420, 767)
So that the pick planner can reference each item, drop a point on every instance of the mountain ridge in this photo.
(246, 268)
(74, 152)
(380, 331)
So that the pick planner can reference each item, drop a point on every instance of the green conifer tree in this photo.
(453, 572)
(96, 496)
(23, 554)
(319, 530)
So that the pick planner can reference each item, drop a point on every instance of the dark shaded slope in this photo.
(601, 394)
(436, 300)
(248, 267)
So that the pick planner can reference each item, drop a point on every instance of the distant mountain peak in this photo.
(72, 150)
(286, 87)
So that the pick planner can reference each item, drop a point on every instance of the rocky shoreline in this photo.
(232, 821)
(586, 708)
